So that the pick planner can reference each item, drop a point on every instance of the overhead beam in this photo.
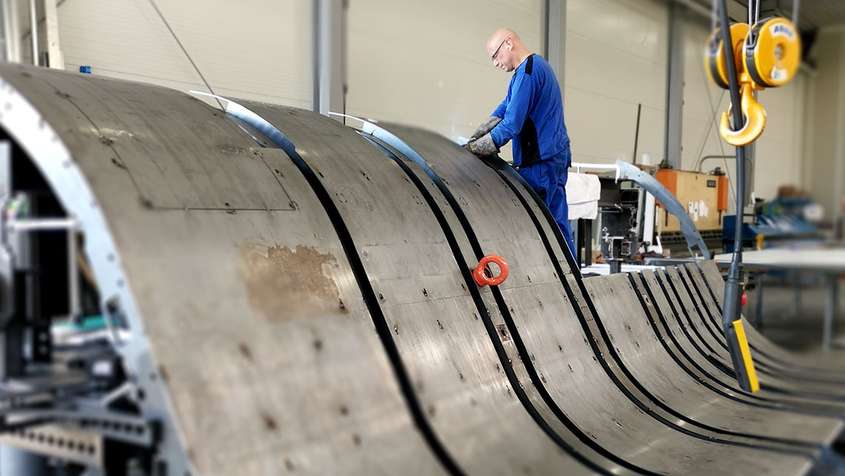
(55, 58)
(553, 30)
(330, 56)
(675, 87)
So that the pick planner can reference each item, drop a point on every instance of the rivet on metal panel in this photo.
(245, 352)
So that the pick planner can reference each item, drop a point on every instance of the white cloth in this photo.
(582, 195)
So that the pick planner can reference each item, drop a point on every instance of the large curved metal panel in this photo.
(664, 308)
(454, 367)
(716, 345)
(308, 308)
(546, 323)
(222, 289)
(815, 379)
(712, 287)
(778, 373)
(639, 347)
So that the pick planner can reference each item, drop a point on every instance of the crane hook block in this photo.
(714, 57)
(772, 52)
(755, 120)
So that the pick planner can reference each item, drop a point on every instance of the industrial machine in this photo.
(704, 196)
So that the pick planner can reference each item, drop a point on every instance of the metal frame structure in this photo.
(295, 295)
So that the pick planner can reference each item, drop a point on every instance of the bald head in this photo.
(506, 50)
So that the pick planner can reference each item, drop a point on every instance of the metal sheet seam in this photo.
(698, 340)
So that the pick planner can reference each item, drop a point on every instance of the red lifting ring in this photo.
(484, 277)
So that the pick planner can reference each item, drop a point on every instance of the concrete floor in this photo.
(801, 332)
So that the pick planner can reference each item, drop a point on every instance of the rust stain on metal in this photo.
(284, 283)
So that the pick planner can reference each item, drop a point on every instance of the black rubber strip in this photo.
(485, 315)
(762, 367)
(593, 342)
(643, 287)
(781, 362)
(771, 365)
(755, 400)
(710, 354)
(369, 295)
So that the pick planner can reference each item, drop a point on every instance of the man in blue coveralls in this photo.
(532, 116)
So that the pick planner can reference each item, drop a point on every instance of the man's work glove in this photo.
(483, 146)
(485, 127)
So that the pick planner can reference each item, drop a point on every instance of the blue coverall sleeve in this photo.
(515, 112)
(500, 109)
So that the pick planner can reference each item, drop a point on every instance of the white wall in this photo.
(424, 63)
(825, 131)
(256, 49)
(616, 53)
(779, 156)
